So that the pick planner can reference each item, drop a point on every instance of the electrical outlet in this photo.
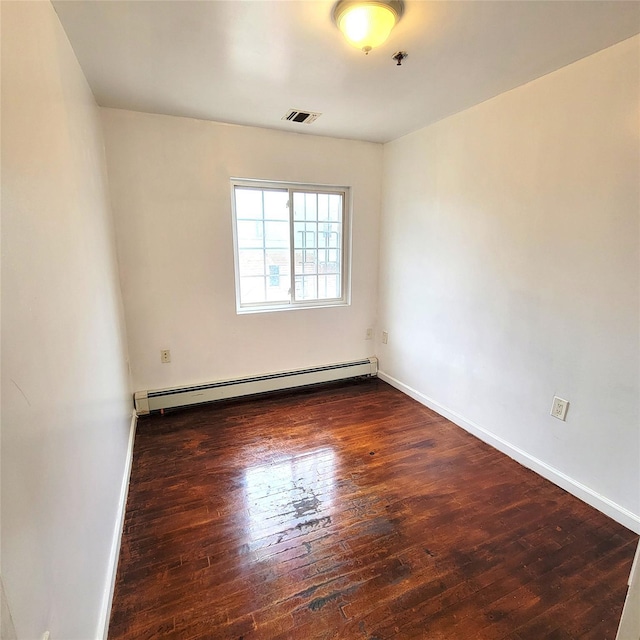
(45, 635)
(559, 408)
(385, 337)
(165, 356)
(369, 335)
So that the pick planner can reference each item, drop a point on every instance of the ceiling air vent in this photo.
(306, 117)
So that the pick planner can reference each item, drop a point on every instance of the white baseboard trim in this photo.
(584, 493)
(105, 613)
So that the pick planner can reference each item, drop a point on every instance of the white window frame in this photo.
(345, 248)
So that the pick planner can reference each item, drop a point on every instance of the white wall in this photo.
(509, 272)
(7, 630)
(171, 195)
(66, 404)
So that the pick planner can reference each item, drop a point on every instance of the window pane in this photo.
(248, 203)
(278, 280)
(250, 233)
(329, 235)
(335, 207)
(307, 287)
(306, 261)
(328, 287)
(298, 206)
(254, 234)
(252, 290)
(277, 289)
(278, 258)
(311, 206)
(251, 262)
(305, 235)
(322, 287)
(328, 261)
(275, 205)
(276, 235)
(323, 206)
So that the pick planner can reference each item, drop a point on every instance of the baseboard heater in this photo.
(149, 401)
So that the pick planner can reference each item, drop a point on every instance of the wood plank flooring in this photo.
(352, 511)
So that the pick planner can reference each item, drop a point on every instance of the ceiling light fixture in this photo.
(367, 23)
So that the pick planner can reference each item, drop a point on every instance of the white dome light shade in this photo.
(366, 24)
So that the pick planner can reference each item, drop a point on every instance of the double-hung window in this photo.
(290, 245)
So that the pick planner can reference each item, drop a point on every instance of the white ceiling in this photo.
(249, 61)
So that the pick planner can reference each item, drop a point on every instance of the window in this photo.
(290, 245)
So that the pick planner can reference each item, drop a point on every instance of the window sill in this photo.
(293, 307)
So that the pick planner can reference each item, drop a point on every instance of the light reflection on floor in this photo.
(286, 495)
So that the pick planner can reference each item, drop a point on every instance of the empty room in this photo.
(320, 320)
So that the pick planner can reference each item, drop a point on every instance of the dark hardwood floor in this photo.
(354, 512)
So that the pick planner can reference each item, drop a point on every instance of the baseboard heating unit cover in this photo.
(148, 401)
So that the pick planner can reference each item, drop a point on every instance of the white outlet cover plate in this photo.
(559, 408)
